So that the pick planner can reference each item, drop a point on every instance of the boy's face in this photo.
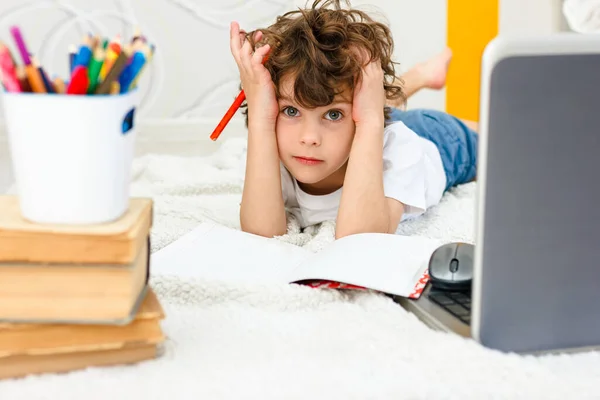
(314, 144)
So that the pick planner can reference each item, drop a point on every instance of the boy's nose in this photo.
(310, 138)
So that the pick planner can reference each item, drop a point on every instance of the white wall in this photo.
(193, 76)
(530, 17)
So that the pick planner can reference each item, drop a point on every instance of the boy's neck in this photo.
(326, 186)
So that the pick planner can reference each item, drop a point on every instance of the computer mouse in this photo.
(451, 267)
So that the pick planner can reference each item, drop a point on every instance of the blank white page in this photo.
(215, 252)
(384, 262)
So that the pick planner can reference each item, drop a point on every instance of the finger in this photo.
(258, 35)
(234, 42)
(259, 56)
(246, 53)
(374, 70)
(361, 54)
(242, 37)
(357, 84)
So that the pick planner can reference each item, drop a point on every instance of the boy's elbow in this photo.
(384, 223)
(341, 232)
(265, 231)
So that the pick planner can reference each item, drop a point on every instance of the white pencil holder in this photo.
(71, 155)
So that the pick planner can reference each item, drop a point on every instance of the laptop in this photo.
(536, 267)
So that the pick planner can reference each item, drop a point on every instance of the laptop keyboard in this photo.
(456, 303)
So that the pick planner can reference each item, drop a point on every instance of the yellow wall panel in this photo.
(471, 25)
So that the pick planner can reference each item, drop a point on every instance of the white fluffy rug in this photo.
(293, 342)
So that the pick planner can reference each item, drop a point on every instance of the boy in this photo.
(323, 143)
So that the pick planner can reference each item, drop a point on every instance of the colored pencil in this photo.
(35, 79)
(79, 81)
(228, 115)
(115, 71)
(95, 42)
(33, 75)
(112, 52)
(21, 46)
(8, 71)
(231, 111)
(22, 77)
(72, 55)
(148, 60)
(133, 68)
(137, 34)
(115, 88)
(47, 83)
(84, 54)
(115, 44)
(59, 85)
(94, 68)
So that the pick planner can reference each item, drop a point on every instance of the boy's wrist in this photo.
(260, 125)
(260, 119)
(374, 124)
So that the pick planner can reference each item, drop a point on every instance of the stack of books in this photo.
(73, 297)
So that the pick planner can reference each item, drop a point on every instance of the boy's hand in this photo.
(256, 80)
(369, 94)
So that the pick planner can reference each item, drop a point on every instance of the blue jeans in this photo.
(456, 142)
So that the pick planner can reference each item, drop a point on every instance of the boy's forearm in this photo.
(262, 209)
(363, 205)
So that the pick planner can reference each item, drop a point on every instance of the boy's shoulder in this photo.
(397, 134)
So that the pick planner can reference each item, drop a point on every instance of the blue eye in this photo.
(290, 111)
(334, 115)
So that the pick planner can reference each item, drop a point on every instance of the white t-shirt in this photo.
(413, 174)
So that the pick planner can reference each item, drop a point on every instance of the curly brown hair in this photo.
(317, 47)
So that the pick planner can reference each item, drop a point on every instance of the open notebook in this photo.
(391, 264)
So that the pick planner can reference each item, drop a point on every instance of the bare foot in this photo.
(471, 125)
(435, 69)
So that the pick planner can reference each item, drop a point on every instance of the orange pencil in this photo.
(228, 115)
(35, 79)
(231, 111)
